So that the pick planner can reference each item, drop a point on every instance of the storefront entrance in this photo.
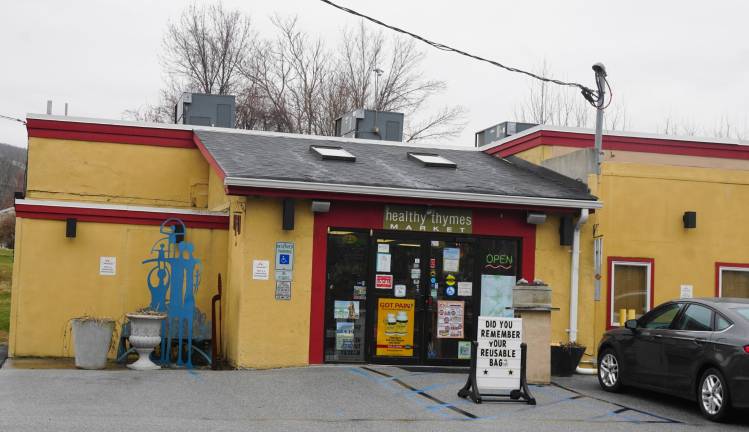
(413, 298)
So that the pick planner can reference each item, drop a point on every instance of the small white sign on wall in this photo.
(260, 269)
(687, 291)
(107, 266)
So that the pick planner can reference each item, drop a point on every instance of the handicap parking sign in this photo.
(283, 258)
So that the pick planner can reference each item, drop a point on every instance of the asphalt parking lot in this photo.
(329, 398)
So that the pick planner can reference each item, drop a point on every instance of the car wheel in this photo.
(609, 372)
(712, 395)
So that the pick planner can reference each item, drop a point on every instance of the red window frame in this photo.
(721, 265)
(609, 281)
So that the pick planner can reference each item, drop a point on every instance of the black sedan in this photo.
(696, 349)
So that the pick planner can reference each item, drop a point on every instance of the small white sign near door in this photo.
(687, 291)
(498, 355)
(400, 290)
(107, 266)
(260, 269)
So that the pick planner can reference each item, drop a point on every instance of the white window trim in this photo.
(649, 279)
(720, 276)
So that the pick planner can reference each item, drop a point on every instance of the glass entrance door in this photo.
(449, 303)
(396, 300)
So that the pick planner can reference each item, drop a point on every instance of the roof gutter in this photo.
(412, 193)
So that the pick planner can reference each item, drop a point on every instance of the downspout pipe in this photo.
(575, 274)
(575, 284)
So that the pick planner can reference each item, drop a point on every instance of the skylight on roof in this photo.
(432, 160)
(332, 153)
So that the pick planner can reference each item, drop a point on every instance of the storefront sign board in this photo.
(432, 219)
(395, 327)
(498, 355)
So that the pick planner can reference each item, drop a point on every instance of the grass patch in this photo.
(6, 271)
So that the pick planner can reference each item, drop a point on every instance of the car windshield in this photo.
(744, 312)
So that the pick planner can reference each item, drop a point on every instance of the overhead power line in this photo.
(592, 96)
(12, 118)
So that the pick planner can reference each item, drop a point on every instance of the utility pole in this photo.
(600, 71)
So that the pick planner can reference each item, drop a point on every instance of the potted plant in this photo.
(565, 357)
(92, 341)
(145, 334)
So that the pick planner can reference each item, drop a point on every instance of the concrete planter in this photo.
(91, 341)
(531, 297)
(145, 334)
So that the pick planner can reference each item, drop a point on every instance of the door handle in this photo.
(657, 336)
(699, 341)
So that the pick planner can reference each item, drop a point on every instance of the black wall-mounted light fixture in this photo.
(566, 230)
(690, 219)
(288, 214)
(70, 227)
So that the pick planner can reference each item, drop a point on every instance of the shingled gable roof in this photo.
(284, 161)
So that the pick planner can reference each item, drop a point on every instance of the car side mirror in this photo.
(631, 324)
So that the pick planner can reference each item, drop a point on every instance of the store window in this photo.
(733, 280)
(630, 287)
(346, 294)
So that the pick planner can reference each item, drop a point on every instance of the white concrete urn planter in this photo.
(145, 334)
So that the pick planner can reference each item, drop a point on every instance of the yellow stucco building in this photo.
(321, 241)
(370, 232)
(673, 222)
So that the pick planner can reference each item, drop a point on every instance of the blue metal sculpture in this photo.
(173, 282)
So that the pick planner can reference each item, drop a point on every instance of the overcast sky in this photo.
(687, 60)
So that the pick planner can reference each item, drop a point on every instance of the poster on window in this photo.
(344, 336)
(450, 319)
(450, 259)
(496, 295)
(345, 309)
(395, 327)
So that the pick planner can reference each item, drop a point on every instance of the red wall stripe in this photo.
(33, 211)
(110, 133)
(621, 143)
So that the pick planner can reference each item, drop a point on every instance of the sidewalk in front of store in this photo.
(324, 398)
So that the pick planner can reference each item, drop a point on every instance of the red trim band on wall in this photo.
(609, 273)
(130, 217)
(621, 143)
(367, 215)
(78, 131)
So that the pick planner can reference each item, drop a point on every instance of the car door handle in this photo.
(657, 336)
(699, 341)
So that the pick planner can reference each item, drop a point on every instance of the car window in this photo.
(696, 318)
(661, 318)
(721, 323)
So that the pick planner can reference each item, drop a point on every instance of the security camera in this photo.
(599, 69)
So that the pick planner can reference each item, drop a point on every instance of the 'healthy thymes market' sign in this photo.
(427, 219)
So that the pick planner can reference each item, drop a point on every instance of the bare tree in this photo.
(207, 47)
(291, 81)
